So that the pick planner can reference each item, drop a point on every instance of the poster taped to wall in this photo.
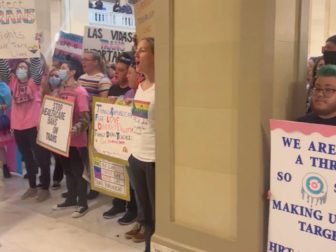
(68, 44)
(18, 30)
(303, 187)
(108, 43)
(55, 125)
(109, 147)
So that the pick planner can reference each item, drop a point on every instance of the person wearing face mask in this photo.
(51, 87)
(26, 103)
(73, 166)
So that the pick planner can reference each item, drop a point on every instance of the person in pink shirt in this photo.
(73, 166)
(24, 83)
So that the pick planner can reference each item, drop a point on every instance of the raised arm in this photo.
(4, 70)
(36, 70)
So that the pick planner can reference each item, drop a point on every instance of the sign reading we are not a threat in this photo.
(55, 125)
(303, 186)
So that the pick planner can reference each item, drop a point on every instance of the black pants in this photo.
(142, 176)
(58, 171)
(33, 156)
(73, 168)
(121, 204)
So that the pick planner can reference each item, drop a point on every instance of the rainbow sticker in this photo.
(140, 109)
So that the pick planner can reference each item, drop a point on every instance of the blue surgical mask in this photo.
(54, 81)
(21, 73)
(63, 74)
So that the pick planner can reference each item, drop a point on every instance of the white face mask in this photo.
(21, 73)
(63, 74)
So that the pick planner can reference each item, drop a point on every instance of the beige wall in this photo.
(223, 69)
(322, 24)
(205, 108)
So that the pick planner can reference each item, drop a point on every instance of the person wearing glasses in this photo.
(96, 83)
(323, 98)
(94, 80)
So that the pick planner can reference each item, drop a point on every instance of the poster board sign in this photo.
(109, 147)
(55, 125)
(18, 29)
(109, 43)
(144, 18)
(68, 44)
(303, 187)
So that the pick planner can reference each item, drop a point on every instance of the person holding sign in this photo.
(323, 98)
(118, 91)
(26, 103)
(142, 160)
(73, 166)
(51, 87)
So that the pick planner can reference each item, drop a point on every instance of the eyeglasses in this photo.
(327, 92)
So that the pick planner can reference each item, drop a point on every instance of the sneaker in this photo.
(136, 228)
(113, 212)
(64, 205)
(80, 211)
(140, 236)
(92, 195)
(56, 185)
(43, 195)
(31, 192)
(128, 218)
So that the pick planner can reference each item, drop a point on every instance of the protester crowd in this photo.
(23, 85)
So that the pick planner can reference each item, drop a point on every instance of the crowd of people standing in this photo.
(22, 88)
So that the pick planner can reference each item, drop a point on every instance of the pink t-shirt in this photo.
(81, 98)
(26, 103)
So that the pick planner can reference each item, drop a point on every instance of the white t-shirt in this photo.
(143, 142)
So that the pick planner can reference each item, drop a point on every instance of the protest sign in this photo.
(108, 43)
(112, 129)
(109, 147)
(109, 177)
(68, 44)
(55, 125)
(144, 18)
(18, 29)
(303, 187)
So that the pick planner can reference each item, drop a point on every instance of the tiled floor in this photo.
(27, 226)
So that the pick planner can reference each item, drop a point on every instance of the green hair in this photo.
(327, 71)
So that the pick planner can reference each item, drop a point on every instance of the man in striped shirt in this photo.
(96, 83)
(94, 80)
